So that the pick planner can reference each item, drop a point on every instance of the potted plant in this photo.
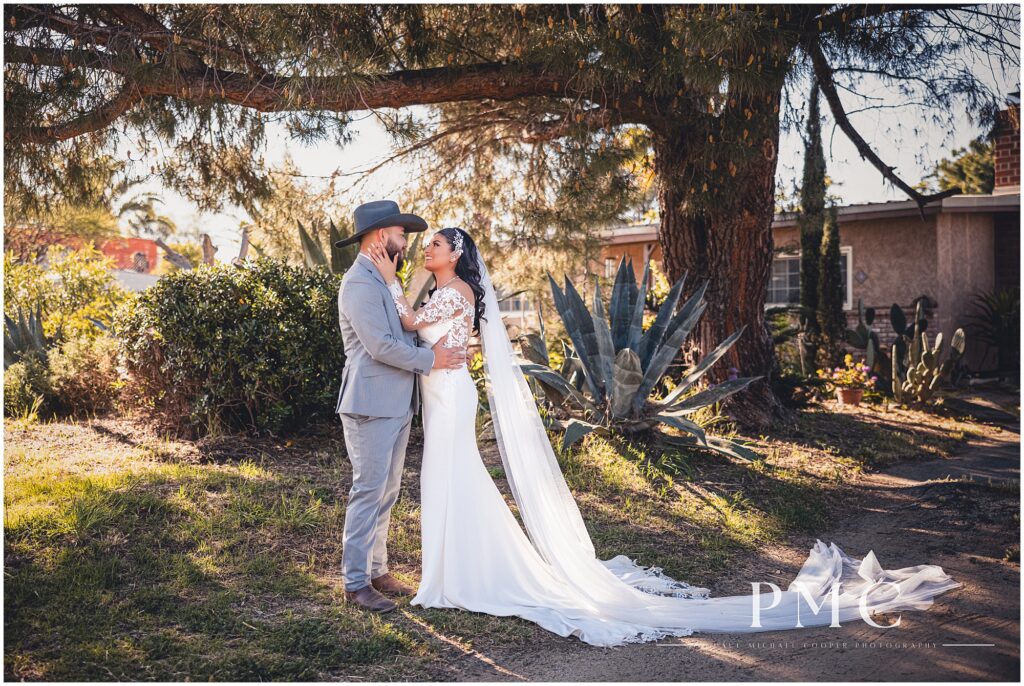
(849, 381)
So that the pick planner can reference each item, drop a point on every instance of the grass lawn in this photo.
(130, 556)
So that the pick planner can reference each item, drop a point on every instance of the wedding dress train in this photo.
(477, 557)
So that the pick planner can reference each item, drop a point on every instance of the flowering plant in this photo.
(853, 375)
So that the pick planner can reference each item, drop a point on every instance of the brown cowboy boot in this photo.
(369, 599)
(392, 586)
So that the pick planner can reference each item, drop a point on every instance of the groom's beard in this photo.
(393, 250)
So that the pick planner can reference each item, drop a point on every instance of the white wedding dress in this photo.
(477, 557)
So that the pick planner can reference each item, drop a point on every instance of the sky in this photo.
(903, 139)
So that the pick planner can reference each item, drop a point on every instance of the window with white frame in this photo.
(610, 265)
(516, 304)
(784, 287)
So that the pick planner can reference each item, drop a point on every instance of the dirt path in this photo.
(909, 514)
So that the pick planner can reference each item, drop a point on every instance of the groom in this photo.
(377, 400)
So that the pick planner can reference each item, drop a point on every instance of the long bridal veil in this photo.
(639, 603)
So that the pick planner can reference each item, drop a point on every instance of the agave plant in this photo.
(995, 322)
(315, 258)
(609, 380)
(24, 337)
(342, 258)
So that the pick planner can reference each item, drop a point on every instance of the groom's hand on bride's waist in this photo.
(448, 358)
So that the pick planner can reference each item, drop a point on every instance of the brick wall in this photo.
(1007, 147)
(883, 326)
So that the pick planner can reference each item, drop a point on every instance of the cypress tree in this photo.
(812, 227)
(831, 317)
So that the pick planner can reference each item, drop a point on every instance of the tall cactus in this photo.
(917, 367)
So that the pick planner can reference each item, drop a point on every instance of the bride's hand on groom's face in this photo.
(387, 266)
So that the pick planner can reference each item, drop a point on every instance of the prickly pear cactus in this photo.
(917, 379)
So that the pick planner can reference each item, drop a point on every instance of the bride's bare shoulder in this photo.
(465, 291)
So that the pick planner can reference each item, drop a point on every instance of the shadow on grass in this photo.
(228, 569)
(689, 513)
(173, 574)
(871, 440)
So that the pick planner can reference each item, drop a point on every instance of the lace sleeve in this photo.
(447, 304)
(398, 296)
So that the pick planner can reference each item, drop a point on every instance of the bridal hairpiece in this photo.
(456, 244)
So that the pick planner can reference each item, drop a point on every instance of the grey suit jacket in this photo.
(381, 358)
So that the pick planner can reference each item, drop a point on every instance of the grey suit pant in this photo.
(376, 448)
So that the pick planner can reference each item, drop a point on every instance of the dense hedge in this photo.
(224, 348)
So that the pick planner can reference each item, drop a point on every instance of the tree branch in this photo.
(55, 57)
(96, 119)
(839, 18)
(493, 81)
(823, 71)
(98, 35)
(542, 132)
(187, 77)
(139, 26)
(157, 34)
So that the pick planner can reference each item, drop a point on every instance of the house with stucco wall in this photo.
(892, 252)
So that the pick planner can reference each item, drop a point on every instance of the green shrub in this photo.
(224, 348)
(83, 376)
(27, 387)
(77, 287)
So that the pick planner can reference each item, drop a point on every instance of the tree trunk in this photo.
(716, 216)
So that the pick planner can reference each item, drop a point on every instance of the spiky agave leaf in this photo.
(24, 336)
(556, 382)
(575, 430)
(580, 325)
(683, 425)
(653, 337)
(621, 305)
(703, 366)
(572, 327)
(708, 397)
(533, 348)
(716, 444)
(589, 335)
(636, 325)
(605, 359)
(569, 361)
(312, 253)
(626, 379)
(341, 258)
(678, 330)
(550, 391)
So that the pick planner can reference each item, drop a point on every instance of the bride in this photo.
(477, 557)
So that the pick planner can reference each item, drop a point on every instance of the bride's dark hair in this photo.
(466, 268)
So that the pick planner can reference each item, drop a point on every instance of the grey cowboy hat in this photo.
(380, 214)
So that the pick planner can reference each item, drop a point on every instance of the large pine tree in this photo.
(540, 88)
